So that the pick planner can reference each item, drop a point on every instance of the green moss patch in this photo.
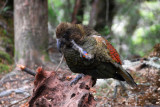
(5, 58)
(4, 68)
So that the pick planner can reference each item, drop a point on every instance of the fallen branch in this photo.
(60, 63)
(27, 70)
(19, 101)
(7, 76)
(142, 62)
(17, 91)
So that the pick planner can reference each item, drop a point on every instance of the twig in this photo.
(7, 76)
(18, 101)
(18, 91)
(27, 70)
(4, 5)
(60, 63)
(145, 61)
(138, 59)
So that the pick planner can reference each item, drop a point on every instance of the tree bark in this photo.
(77, 15)
(31, 31)
(102, 13)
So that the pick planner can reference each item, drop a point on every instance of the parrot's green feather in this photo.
(105, 62)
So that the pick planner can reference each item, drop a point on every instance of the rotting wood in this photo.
(50, 90)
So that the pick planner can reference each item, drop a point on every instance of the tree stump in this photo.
(52, 91)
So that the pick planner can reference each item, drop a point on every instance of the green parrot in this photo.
(88, 53)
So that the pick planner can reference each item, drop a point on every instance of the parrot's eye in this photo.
(66, 35)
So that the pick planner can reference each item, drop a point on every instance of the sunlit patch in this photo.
(22, 67)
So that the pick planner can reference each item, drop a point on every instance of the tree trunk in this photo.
(102, 14)
(77, 15)
(31, 31)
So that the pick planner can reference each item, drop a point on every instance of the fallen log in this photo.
(50, 90)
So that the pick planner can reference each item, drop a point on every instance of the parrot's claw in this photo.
(75, 80)
(116, 88)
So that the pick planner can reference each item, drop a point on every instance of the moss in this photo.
(5, 56)
(6, 32)
(46, 56)
(104, 31)
(4, 68)
(6, 43)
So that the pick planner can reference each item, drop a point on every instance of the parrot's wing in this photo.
(111, 50)
(114, 59)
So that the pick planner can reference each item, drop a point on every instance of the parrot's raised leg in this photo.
(116, 87)
(75, 80)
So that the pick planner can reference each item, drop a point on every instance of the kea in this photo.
(88, 53)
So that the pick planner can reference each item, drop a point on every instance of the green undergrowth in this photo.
(5, 58)
(5, 62)
(4, 68)
(6, 43)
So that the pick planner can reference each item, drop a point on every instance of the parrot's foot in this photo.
(75, 80)
(116, 87)
(115, 92)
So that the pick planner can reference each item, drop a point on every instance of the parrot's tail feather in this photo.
(128, 78)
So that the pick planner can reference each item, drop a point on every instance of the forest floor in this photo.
(17, 86)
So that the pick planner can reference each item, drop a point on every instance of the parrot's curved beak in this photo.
(59, 45)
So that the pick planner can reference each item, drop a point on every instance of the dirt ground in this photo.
(16, 88)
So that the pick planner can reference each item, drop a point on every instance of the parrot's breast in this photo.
(76, 62)
(93, 67)
(100, 66)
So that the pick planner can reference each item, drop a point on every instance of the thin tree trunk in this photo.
(102, 13)
(77, 15)
(31, 31)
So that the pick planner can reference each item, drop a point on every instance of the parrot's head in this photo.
(67, 32)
